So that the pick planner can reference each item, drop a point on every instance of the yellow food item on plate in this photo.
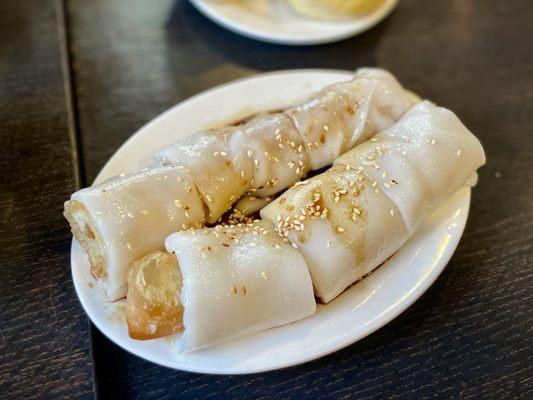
(333, 8)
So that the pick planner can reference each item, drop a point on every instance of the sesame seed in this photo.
(392, 213)
(264, 275)
(326, 128)
(340, 229)
(130, 215)
(223, 153)
(301, 183)
(128, 246)
(458, 153)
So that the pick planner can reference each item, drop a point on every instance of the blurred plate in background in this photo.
(274, 21)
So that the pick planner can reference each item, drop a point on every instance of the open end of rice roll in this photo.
(153, 307)
(217, 284)
(86, 232)
(238, 280)
(114, 221)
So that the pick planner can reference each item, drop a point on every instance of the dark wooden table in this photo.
(77, 78)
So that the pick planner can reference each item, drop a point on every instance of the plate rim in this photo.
(422, 284)
(209, 12)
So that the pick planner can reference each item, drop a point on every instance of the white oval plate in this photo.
(274, 21)
(359, 311)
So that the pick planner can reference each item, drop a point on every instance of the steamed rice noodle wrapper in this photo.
(236, 280)
(127, 216)
(350, 219)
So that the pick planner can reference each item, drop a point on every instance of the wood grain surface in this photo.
(468, 337)
(45, 348)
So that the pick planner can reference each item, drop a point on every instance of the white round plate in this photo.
(274, 21)
(359, 311)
